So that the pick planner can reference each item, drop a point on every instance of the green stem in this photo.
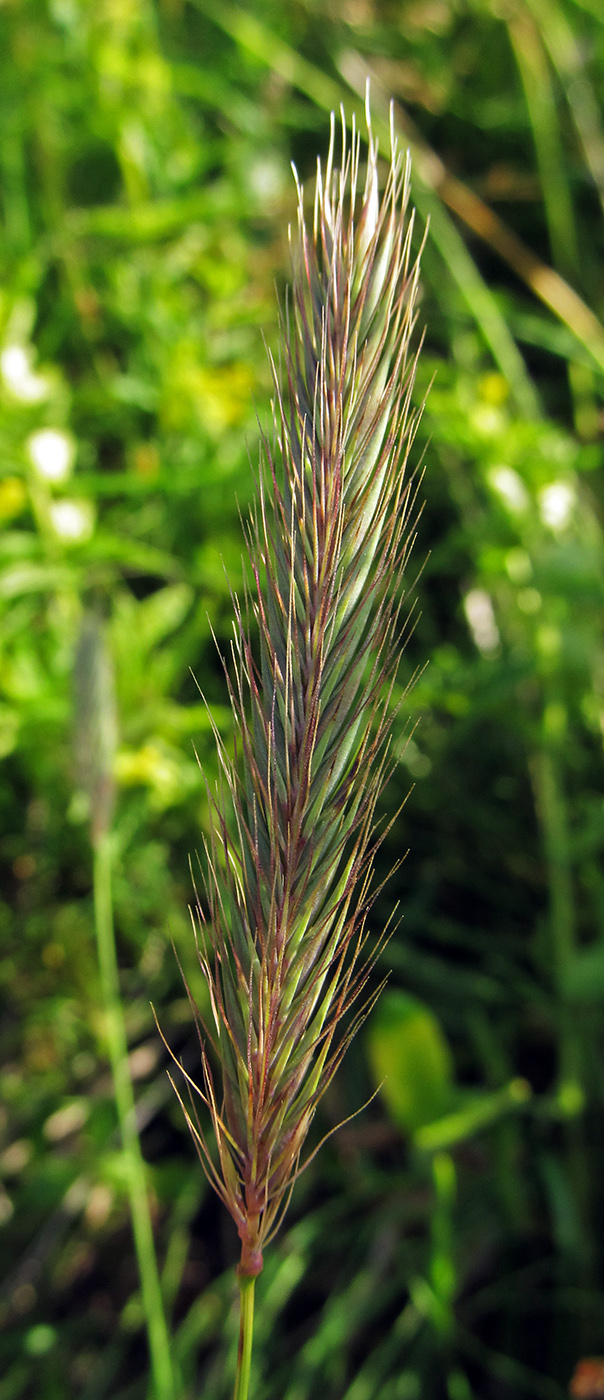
(246, 1328)
(159, 1347)
(557, 850)
(554, 823)
(552, 811)
(442, 1264)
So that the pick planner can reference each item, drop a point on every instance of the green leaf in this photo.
(161, 613)
(33, 578)
(410, 1059)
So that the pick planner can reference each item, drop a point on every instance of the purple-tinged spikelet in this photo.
(288, 869)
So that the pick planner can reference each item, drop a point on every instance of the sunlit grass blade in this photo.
(535, 72)
(567, 56)
(541, 107)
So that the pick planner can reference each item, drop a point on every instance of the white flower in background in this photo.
(266, 179)
(19, 377)
(73, 521)
(510, 486)
(478, 609)
(556, 504)
(52, 454)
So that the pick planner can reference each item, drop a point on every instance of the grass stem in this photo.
(117, 1044)
(246, 1329)
(553, 817)
(552, 808)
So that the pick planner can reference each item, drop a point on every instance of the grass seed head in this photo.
(281, 923)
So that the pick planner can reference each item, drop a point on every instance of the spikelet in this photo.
(288, 867)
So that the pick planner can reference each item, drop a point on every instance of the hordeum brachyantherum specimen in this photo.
(281, 916)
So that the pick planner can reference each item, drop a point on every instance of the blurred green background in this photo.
(447, 1242)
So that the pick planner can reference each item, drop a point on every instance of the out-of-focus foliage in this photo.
(145, 197)
(410, 1059)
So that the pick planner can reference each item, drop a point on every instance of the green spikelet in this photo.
(289, 863)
